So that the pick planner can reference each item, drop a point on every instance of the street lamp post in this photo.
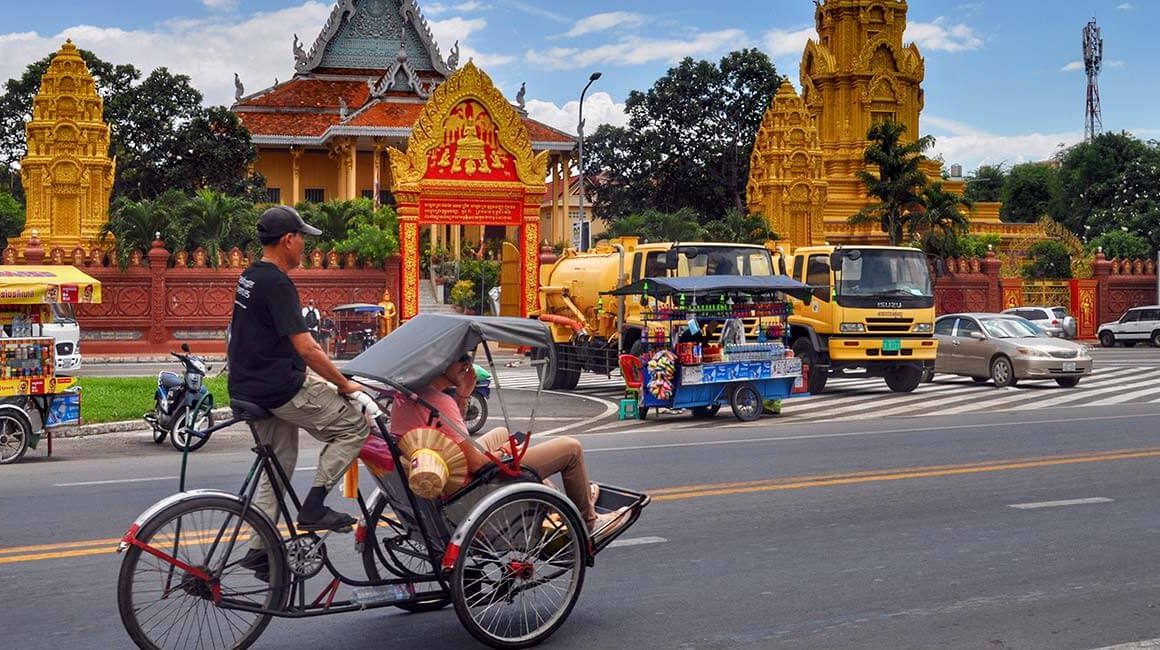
(584, 236)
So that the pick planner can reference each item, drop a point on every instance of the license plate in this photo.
(1069, 366)
(892, 345)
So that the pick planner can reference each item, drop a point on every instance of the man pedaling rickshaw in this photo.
(561, 454)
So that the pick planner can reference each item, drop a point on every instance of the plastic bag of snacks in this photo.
(661, 369)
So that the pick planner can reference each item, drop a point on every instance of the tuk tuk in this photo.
(35, 303)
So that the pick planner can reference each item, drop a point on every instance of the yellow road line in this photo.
(83, 548)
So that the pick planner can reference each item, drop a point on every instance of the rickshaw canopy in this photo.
(40, 285)
(422, 348)
(705, 285)
(360, 308)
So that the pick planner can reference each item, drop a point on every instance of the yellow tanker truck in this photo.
(591, 330)
(872, 311)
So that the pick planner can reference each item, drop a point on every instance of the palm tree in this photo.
(133, 225)
(900, 180)
(214, 219)
(941, 214)
(737, 226)
(656, 226)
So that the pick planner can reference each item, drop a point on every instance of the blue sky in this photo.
(999, 86)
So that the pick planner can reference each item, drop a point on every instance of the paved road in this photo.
(977, 529)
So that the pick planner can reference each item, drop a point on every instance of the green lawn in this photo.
(110, 399)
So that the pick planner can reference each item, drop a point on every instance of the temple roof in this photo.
(369, 35)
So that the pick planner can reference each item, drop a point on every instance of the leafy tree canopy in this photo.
(688, 140)
(899, 183)
(1048, 259)
(656, 226)
(1121, 245)
(737, 226)
(161, 135)
(1031, 191)
(1134, 203)
(1092, 175)
(11, 218)
(986, 184)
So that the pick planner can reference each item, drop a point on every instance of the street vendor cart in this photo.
(34, 399)
(715, 340)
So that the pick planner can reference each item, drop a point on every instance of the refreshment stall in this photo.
(715, 340)
(34, 399)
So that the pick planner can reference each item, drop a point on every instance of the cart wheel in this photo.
(476, 415)
(164, 606)
(520, 570)
(390, 545)
(14, 435)
(177, 429)
(706, 411)
(746, 403)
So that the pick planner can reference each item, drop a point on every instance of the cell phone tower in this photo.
(1093, 58)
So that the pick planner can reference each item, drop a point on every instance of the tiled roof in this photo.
(387, 114)
(313, 93)
(296, 124)
(540, 132)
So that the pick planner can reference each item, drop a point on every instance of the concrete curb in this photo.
(85, 430)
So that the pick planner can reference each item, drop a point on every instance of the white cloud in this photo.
(439, 8)
(532, 9)
(783, 42)
(943, 35)
(219, 5)
(634, 50)
(961, 143)
(605, 21)
(1127, 6)
(599, 108)
(1072, 66)
(446, 32)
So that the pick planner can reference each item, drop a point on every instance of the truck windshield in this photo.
(63, 312)
(885, 273)
(725, 260)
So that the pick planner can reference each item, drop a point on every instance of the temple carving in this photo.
(67, 174)
(809, 150)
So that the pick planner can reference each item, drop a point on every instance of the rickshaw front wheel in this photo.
(14, 437)
(520, 570)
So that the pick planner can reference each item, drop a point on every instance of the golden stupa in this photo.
(67, 173)
(809, 148)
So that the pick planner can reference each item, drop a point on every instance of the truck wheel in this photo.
(903, 379)
(567, 367)
(804, 350)
(549, 370)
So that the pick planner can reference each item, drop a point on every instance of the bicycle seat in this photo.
(249, 411)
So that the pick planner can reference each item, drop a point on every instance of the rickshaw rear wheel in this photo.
(409, 555)
(521, 570)
(14, 437)
(163, 606)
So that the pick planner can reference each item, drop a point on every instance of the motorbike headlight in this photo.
(924, 327)
(850, 328)
(194, 381)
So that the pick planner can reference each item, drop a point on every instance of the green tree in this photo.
(1118, 244)
(1134, 205)
(161, 135)
(135, 224)
(656, 226)
(1031, 191)
(216, 221)
(688, 140)
(900, 181)
(986, 184)
(737, 226)
(371, 234)
(1090, 178)
(11, 218)
(1047, 260)
(939, 221)
(977, 245)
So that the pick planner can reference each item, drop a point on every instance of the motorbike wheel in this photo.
(177, 434)
(476, 415)
(159, 432)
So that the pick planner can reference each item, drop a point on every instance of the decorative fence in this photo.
(153, 307)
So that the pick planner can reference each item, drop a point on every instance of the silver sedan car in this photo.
(1005, 349)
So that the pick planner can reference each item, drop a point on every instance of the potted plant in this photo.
(463, 297)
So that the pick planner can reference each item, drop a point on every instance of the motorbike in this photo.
(182, 404)
(476, 415)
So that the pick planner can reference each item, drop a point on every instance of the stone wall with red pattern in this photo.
(966, 284)
(1123, 284)
(153, 307)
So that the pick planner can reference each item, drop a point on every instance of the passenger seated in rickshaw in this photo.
(561, 454)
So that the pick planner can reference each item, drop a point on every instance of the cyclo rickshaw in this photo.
(508, 551)
(355, 328)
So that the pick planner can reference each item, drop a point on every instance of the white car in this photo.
(1052, 320)
(1138, 324)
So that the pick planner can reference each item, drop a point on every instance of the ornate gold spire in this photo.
(67, 173)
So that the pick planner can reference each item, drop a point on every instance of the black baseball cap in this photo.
(280, 220)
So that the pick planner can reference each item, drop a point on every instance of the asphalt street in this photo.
(1023, 528)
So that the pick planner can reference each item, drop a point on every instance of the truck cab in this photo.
(871, 310)
(66, 334)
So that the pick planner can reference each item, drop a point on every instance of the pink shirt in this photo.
(407, 414)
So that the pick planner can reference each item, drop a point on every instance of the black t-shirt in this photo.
(264, 367)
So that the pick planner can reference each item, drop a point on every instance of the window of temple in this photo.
(315, 195)
(878, 117)
(273, 195)
(386, 198)
(368, 194)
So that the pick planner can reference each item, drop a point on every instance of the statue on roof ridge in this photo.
(453, 58)
(521, 94)
(299, 53)
(239, 89)
(343, 109)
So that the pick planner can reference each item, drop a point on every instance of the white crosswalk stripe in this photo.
(859, 398)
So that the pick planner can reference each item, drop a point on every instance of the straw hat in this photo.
(436, 465)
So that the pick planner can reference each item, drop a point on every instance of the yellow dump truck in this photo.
(871, 312)
(591, 330)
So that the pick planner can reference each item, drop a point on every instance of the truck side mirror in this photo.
(836, 260)
(671, 262)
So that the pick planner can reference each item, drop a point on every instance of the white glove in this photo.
(366, 403)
